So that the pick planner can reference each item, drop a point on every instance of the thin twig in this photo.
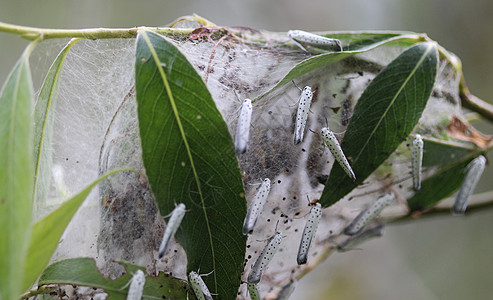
(212, 57)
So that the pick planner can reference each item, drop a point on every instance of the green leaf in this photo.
(43, 125)
(353, 43)
(439, 153)
(189, 158)
(83, 272)
(47, 232)
(386, 113)
(16, 176)
(442, 184)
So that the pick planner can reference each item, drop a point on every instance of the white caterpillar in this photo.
(336, 150)
(417, 161)
(136, 286)
(256, 207)
(243, 127)
(309, 232)
(198, 286)
(310, 39)
(369, 214)
(171, 227)
(302, 114)
(264, 258)
(474, 170)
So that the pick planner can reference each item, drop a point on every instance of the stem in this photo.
(472, 102)
(33, 33)
(29, 49)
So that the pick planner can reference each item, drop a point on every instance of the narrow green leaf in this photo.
(47, 232)
(83, 272)
(439, 186)
(189, 158)
(386, 113)
(353, 43)
(43, 124)
(16, 176)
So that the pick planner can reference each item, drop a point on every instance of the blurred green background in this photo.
(443, 258)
